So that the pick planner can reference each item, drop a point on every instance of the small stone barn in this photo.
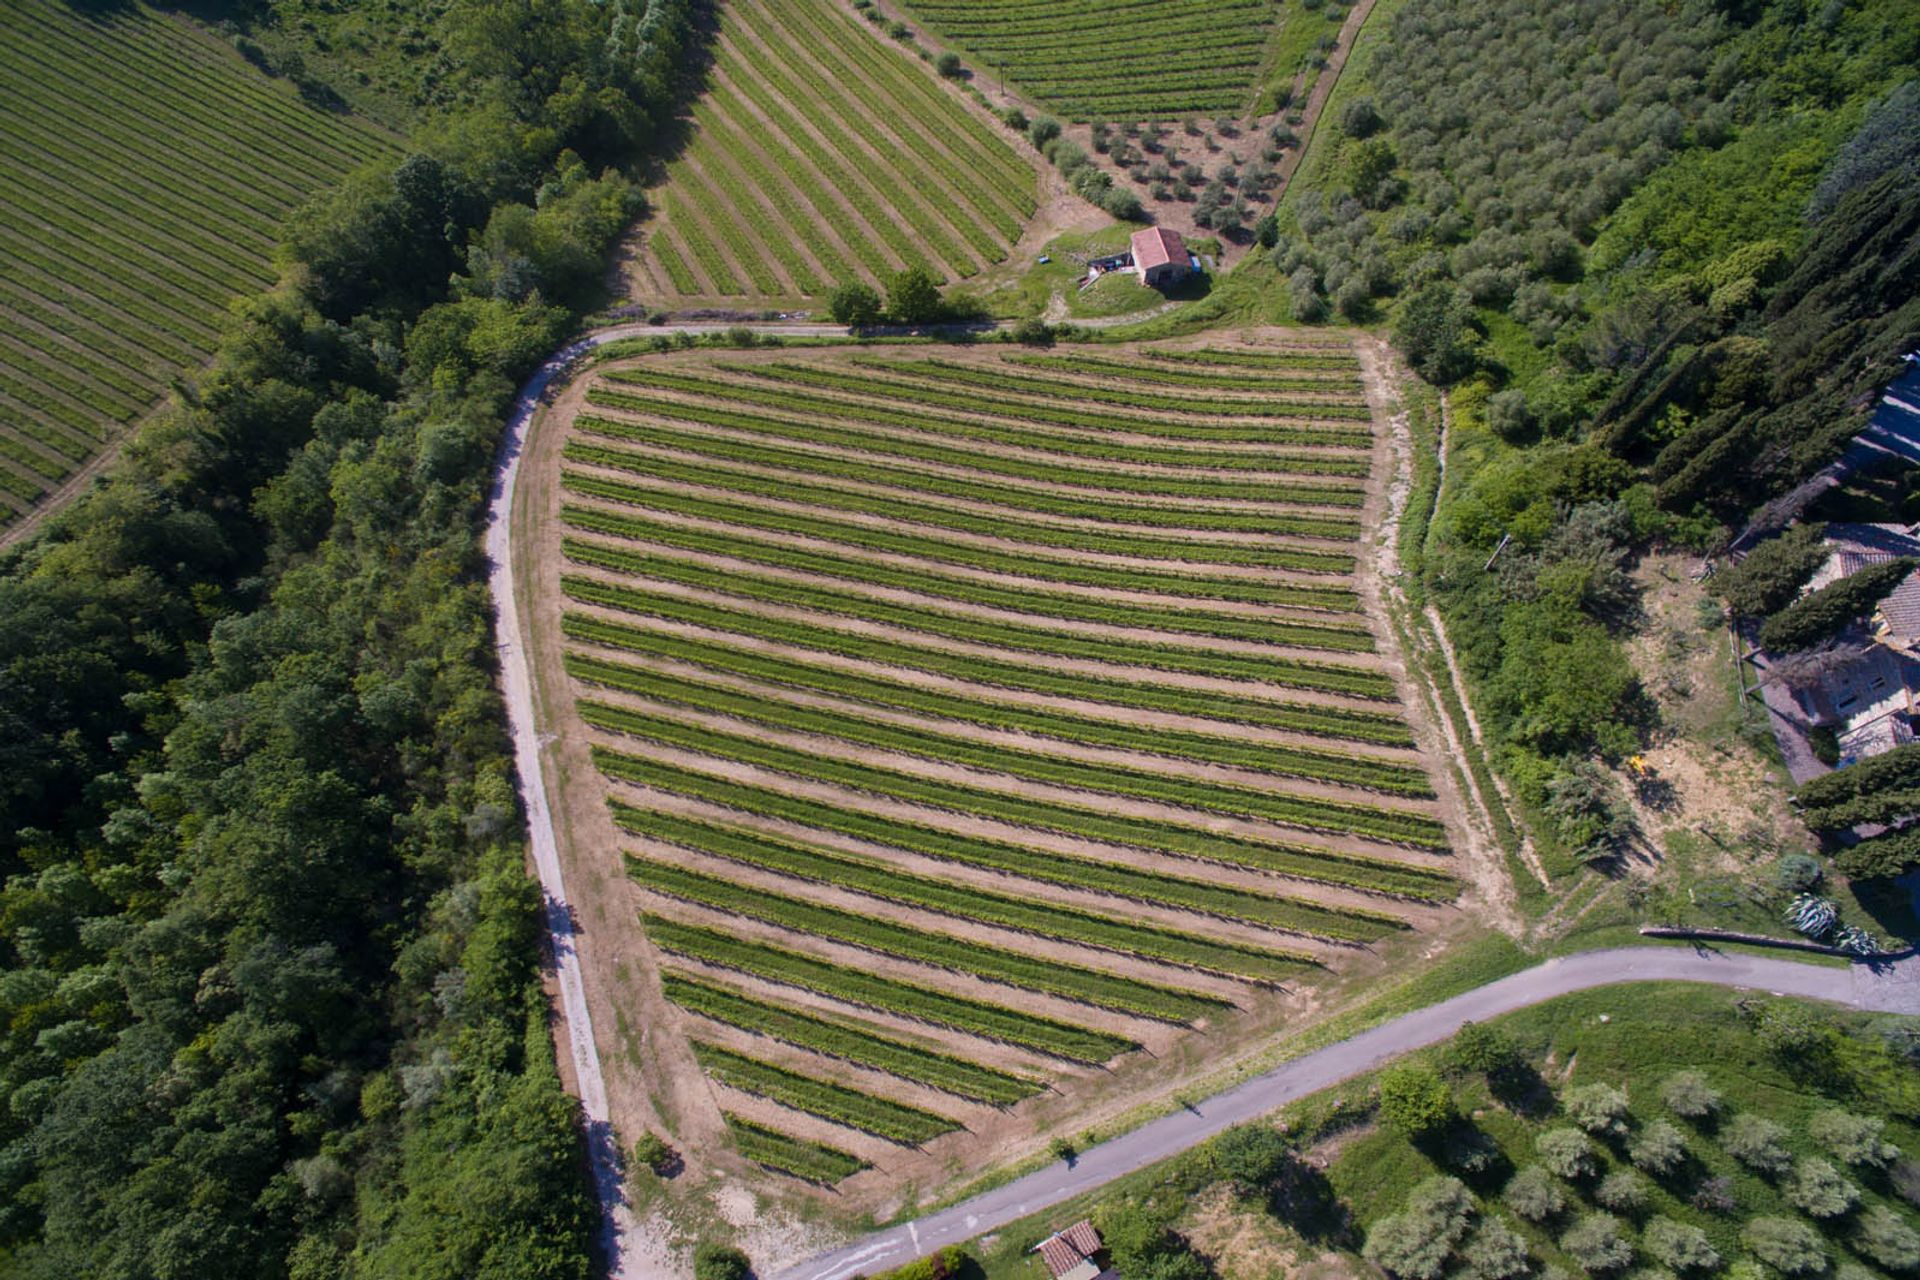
(1160, 257)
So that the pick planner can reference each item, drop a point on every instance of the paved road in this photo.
(1894, 987)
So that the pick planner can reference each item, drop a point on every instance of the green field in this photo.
(118, 257)
(822, 153)
(1004, 700)
(1136, 60)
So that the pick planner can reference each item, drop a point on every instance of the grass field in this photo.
(972, 721)
(1136, 60)
(823, 153)
(118, 257)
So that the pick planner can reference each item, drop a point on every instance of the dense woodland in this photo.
(1665, 258)
(269, 995)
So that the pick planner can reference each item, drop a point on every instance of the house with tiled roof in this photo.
(1160, 257)
(1074, 1254)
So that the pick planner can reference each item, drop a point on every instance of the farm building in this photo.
(1071, 1254)
(1160, 257)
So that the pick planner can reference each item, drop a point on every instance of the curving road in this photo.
(1890, 987)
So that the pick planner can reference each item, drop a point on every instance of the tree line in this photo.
(270, 999)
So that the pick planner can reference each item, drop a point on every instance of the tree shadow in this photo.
(1303, 1198)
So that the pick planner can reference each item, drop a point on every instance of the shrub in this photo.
(1758, 1143)
(855, 305)
(1122, 203)
(1819, 1190)
(1033, 332)
(1688, 1094)
(651, 1151)
(1535, 1196)
(1062, 1148)
(1797, 873)
(913, 296)
(1250, 1156)
(1043, 130)
(720, 1262)
(1623, 1191)
(1360, 118)
(1714, 1195)
(1416, 1242)
(1659, 1149)
(1598, 1243)
(1567, 1153)
(1771, 575)
(1854, 1139)
(1885, 1237)
(1415, 1101)
(1790, 1247)
(1015, 119)
(1600, 1109)
(1433, 332)
(1509, 415)
(949, 65)
(1495, 1252)
(1679, 1246)
(1827, 612)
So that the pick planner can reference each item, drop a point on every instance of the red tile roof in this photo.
(1156, 247)
(1065, 1250)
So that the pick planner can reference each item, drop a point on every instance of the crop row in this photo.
(1123, 781)
(1356, 682)
(895, 540)
(848, 1043)
(666, 251)
(978, 145)
(919, 946)
(904, 475)
(1327, 358)
(1157, 888)
(135, 354)
(813, 1162)
(830, 394)
(980, 376)
(988, 712)
(822, 155)
(844, 433)
(1056, 404)
(902, 999)
(827, 483)
(881, 1117)
(102, 295)
(1084, 821)
(926, 206)
(55, 376)
(927, 581)
(879, 879)
(1034, 533)
(1132, 371)
(708, 211)
(1335, 722)
(968, 203)
(704, 249)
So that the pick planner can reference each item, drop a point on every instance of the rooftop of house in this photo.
(1156, 247)
(1852, 547)
(1069, 1253)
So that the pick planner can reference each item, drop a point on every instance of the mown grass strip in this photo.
(988, 712)
(1286, 359)
(1154, 887)
(1333, 636)
(945, 1072)
(929, 545)
(1090, 822)
(1104, 367)
(1353, 682)
(918, 946)
(813, 1162)
(880, 1117)
(903, 999)
(1123, 781)
(879, 879)
(1335, 722)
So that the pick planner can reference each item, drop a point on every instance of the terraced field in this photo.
(1132, 60)
(118, 257)
(823, 153)
(967, 722)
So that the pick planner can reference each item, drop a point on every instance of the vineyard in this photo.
(968, 723)
(822, 154)
(1136, 60)
(118, 257)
